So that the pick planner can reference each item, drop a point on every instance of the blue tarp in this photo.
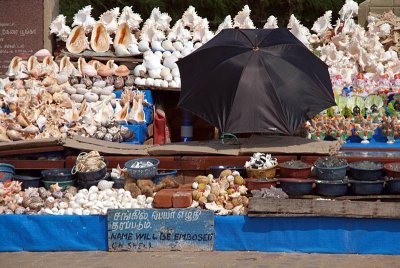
(299, 234)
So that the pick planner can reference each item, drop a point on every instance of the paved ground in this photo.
(199, 259)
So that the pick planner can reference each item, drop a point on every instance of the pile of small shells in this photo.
(261, 161)
(389, 24)
(88, 162)
(269, 193)
(224, 195)
(142, 164)
(95, 201)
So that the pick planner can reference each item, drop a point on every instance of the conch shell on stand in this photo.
(77, 40)
(100, 40)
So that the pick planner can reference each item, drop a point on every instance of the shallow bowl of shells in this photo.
(267, 173)
(93, 175)
(142, 168)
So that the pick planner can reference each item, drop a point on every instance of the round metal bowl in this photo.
(296, 187)
(332, 188)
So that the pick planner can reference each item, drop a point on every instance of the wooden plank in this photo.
(354, 198)
(35, 164)
(31, 150)
(311, 158)
(160, 230)
(325, 208)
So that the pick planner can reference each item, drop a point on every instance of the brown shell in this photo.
(100, 41)
(77, 40)
(122, 70)
(104, 71)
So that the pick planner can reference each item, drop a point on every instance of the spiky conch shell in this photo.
(77, 40)
(110, 20)
(124, 36)
(128, 16)
(100, 40)
(59, 28)
(83, 18)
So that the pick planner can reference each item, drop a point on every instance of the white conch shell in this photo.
(272, 23)
(49, 65)
(242, 19)
(15, 65)
(110, 20)
(156, 45)
(226, 24)
(348, 10)
(152, 61)
(143, 46)
(128, 16)
(124, 36)
(133, 49)
(83, 18)
(139, 70)
(150, 32)
(201, 32)
(100, 40)
(170, 62)
(178, 32)
(190, 17)
(104, 185)
(322, 24)
(162, 20)
(77, 40)
(67, 67)
(167, 45)
(299, 31)
(59, 27)
(122, 113)
(137, 114)
(121, 50)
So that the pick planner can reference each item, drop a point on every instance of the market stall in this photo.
(86, 139)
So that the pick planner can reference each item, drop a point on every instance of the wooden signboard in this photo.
(24, 27)
(160, 230)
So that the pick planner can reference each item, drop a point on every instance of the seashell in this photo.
(139, 70)
(242, 19)
(201, 32)
(154, 73)
(133, 49)
(118, 83)
(172, 84)
(150, 80)
(49, 65)
(88, 70)
(226, 24)
(84, 19)
(105, 185)
(150, 32)
(156, 45)
(164, 83)
(143, 46)
(121, 51)
(122, 70)
(77, 211)
(99, 84)
(107, 91)
(178, 45)
(167, 45)
(96, 90)
(129, 81)
(175, 72)
(14, 66)
(128, 16)
(140, 81)
(179, 32)
(121, 115)
(73, 80)
(61, 78)
(31, 129)
(58, 27)
(272, 23)
(110, 20)
(22, 120)
(100, 40)
(91, 97)
(69, 211)
(190, 17)
(77, 40)
(77, 97)
(322, 24)
(124, 36)
(157, 82)
(348, 10)
(104, 71)
(81, 90)
(42, 54)
(162, 20)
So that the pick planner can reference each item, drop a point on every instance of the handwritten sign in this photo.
(160, 230)
(21, 29)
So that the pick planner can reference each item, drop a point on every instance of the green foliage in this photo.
(330, 112)
(390, 109)
(346, 112)
(307, 11)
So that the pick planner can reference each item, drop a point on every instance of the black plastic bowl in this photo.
(296, 187)
(362, 174)
(28, 181)
(367, 187)
(57, 174)
(331, 174)
(86, 184)
(216, 170)
(393, 186)
(93, 175)
(332, 188)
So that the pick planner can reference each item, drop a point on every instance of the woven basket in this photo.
(268, 173)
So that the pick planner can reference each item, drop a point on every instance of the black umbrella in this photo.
(261, 81)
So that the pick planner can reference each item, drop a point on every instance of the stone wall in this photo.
(377, 6)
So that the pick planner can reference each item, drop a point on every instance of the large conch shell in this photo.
(299, 31)
(136, 115)
(150, 32)
(100, 40)
(161, 20)
(77, 40)
(49, 65)
(322, 24)
(201, 32)
(67, 67)
(121, 114)
(127, 16)
(226, 24)
(124, 36)
(110, 20)
(83, 18)
(190, 17)
(272, 23)
(59, 28)
(14, 66)
(179, 32)
(242, 19)
(348, 10)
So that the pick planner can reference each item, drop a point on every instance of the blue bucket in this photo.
(7, 172)
(162, 174)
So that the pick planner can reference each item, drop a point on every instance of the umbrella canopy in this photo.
(255, 80)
